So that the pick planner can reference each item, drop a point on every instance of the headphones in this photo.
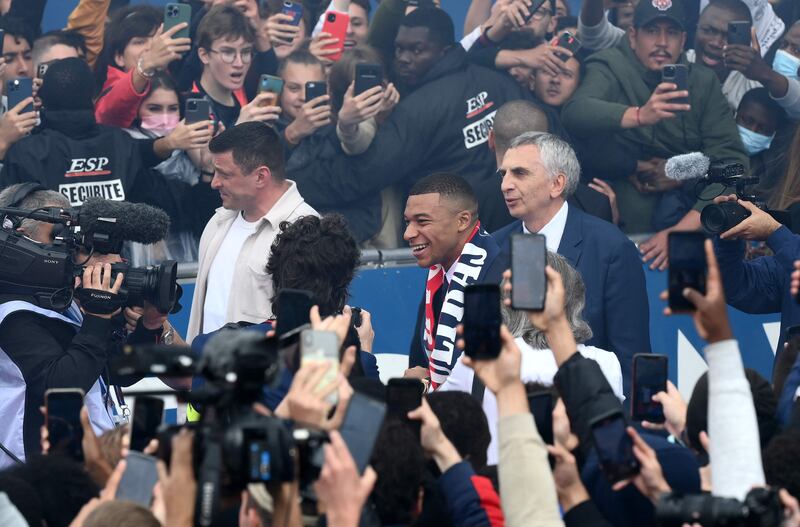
(24, 190)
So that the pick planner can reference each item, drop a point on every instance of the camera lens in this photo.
(669, 71)
(331, 17)
(192, 105)
(713, 219)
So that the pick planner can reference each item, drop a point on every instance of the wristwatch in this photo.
(140, 69)
(168, 336)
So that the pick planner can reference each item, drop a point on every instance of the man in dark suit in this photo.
(445, 236)
(540, 172)
(512, 119)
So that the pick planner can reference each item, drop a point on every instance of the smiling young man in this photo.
(445, 236)
(232, 280)
(622, 105)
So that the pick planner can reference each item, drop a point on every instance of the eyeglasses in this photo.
(228, 55)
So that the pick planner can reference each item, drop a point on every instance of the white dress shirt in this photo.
(537, 366)
(554, 229)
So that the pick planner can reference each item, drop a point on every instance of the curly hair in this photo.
(319, 255)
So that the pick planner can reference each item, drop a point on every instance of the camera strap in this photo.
(99, 302)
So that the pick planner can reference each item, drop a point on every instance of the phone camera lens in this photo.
(669, 70)
(192, 105)
(331, 17)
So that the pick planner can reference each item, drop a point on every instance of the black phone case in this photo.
(739, 33)
(315, 89)
(197, 110)
(677, 74)
(367, 77)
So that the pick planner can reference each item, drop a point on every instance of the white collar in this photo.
(554, 229)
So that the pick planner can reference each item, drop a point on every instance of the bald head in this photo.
(514, 119)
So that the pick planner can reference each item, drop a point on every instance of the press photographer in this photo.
(760, 285)
(63, 337)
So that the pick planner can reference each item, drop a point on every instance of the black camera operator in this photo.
(760, 285)
(43, 348)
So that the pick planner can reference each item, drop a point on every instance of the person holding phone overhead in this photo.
(445, 236)
(626, 105)
(539, 174)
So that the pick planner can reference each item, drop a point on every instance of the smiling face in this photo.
(435, 229)
(555, 90)
(658, 43)
(295, 76)
(712, 37)
(529, 191)
(228, 76)
(357, 28)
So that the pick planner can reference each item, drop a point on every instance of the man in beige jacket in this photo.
(232, 280)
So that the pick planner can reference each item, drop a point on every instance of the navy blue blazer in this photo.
(616, 309)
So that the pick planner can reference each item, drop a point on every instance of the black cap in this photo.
(650, 10)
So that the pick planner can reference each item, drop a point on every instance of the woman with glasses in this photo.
(135, 49)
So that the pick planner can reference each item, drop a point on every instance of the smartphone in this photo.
(321, 346)
(568, 41)
(535, 5)
(687, 267)
(175, 14)
(614, 447)
(739, 33)
(541, 405)
(649, 378)
(147, 416)
(361, 426)
(18, 90)
(402, 396)
(316, 89)
(271, 85)
(528, 260)
(336, 25)
(197, 110)
(677, 74)
(482, 321)
(293, 311)
(367, 77)
(138, 480)
(63, 421)
(294, 10)
(41, 69)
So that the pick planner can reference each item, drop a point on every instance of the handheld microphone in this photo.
(687, 166)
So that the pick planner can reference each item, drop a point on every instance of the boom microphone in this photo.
(687, 166)
(136, 222)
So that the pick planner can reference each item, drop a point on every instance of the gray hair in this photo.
(556, 156)
(519, 325)
(34, 200)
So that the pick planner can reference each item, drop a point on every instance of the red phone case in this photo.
(337, 27)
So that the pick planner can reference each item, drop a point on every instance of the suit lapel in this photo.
(572, 239)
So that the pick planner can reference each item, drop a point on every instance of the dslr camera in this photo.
(233, 445)
(761, 508)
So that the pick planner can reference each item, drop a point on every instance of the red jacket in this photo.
(118, 104)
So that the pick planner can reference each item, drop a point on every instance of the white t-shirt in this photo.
(220, 276)
(537, 366)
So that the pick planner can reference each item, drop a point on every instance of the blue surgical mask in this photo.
(786, 64)
(753, 142)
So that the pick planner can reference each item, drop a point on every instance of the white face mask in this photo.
(753, 141)
(786, 64)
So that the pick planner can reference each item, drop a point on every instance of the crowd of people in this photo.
(282, 138)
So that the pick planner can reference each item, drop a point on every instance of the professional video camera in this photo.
(719, 217)
(45, 273)
(233, 445)
(761, 508)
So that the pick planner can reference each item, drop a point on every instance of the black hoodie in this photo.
(81, 159)
(443, 125)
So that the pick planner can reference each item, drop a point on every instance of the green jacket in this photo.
(615, 80)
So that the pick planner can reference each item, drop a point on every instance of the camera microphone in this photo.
(685, 167)
(136, 222)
